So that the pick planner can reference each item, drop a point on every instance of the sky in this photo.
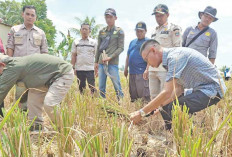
(182, 12)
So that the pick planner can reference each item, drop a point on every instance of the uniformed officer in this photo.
(113, 38)
(207, 42)
(168, 35)
(83, 55)
(26, 39)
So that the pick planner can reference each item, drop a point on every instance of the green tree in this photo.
(64, 47)
(10, 12)
(92, 22)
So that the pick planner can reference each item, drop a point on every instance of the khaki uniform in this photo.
(26, 42)
(168, 35)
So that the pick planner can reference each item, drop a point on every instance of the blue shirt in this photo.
(206, 43)
(136, 63)
(192, 70)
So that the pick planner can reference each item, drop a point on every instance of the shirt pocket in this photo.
(205, 40)
(18, 39)
(164, 40)
(37, 39)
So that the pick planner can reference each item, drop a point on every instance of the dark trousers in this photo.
(83, 76)
(195, 102)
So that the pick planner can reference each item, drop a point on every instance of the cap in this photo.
(141, 25)
(210, 11)
(161, 8)
(110, 11)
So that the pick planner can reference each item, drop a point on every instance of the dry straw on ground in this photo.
(93, 126)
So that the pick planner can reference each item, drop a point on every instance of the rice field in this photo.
(96, 127)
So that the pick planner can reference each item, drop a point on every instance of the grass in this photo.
(91, 126)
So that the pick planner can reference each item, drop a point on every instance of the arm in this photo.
(10, 43)
(170, 92)
(176, 37)
(97, 55)
(74, 54)
(212, 60)
(7, 81)
(44, 44)
(10, 52)
(126, 66)
(73, 60)
(146, 73)
(184, 37)
(213, 47)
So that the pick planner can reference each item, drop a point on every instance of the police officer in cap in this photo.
(168, 35)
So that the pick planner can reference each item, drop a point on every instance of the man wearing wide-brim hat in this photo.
(207, 42)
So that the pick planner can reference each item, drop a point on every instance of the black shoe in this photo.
(36, 127)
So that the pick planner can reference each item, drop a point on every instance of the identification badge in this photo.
(164, 32)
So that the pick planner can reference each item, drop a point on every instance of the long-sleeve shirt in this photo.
(37, 70)
(115, 47)
(206, 43)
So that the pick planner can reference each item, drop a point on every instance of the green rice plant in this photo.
(15, 137)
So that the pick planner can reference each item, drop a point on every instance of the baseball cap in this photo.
(141, 25)
(110, 11)
(161, 8)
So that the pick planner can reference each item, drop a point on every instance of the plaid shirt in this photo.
(192, 70)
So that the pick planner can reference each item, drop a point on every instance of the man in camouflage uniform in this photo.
(113, 50)
(23, 40)
(168, 35)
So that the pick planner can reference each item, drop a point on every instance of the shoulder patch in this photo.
(121, 32)
(175, 27)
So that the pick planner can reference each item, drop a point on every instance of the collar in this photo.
(141, 39)
(24, 27)
(85, 39)
(163, 26)
(113, 28)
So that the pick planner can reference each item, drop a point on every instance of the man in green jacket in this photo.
(37, 72)
(108, 65)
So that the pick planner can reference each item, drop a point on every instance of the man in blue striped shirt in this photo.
(186, 68)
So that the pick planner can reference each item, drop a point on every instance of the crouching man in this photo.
(39, 72)
(186, 68)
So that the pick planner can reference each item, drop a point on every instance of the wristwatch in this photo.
(142, 113)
